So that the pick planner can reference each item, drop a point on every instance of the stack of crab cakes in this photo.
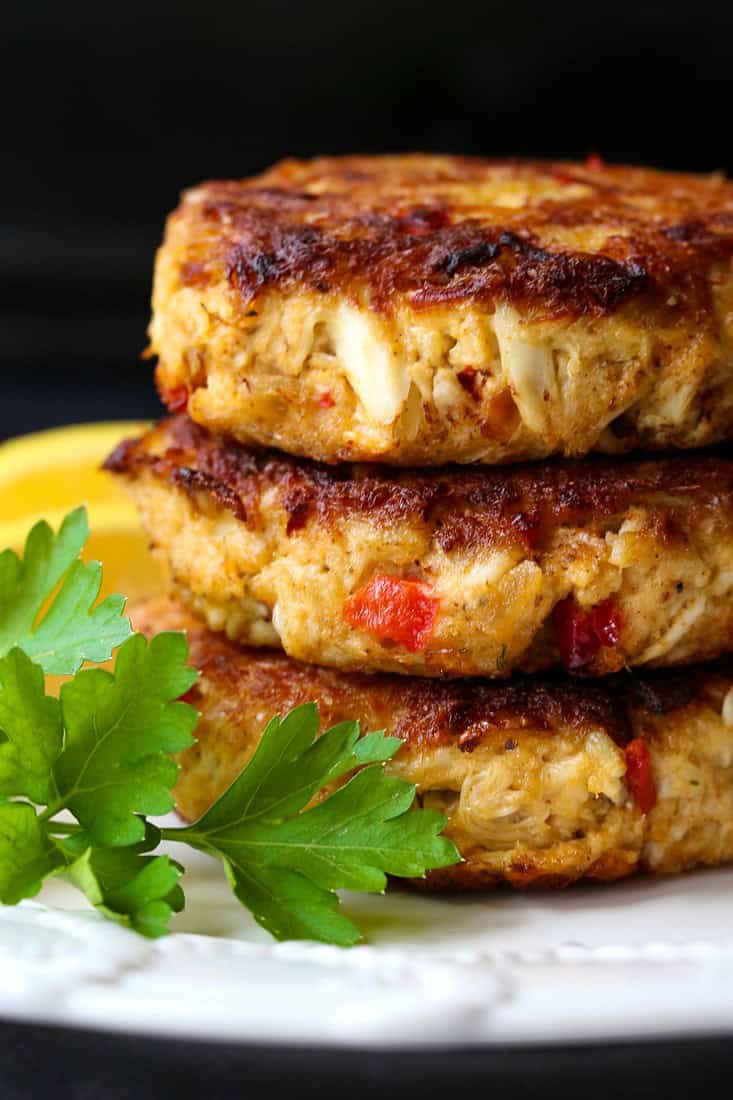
(447, 453)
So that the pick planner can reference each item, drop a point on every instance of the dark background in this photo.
(109, 110)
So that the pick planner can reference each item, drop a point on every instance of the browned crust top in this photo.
(435, 230)
(430, 712)
(468, 506)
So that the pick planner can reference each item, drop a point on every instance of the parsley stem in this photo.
(181, 834)
(52, 810)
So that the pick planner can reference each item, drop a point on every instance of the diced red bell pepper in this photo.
(395, 609)
(176, 399)
(606, 619)
(580, 634)
(576, 639)
(639, 776)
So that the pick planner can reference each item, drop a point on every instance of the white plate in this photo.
(649, 957)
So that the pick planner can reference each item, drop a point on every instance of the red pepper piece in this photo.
(175, 400)
(594, 163)
(576, 639)
(639, 775)
(580, 634)
(395, 609)
(606, 619)
(326, 401)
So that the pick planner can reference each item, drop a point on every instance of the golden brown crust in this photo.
(422, 226)
(424, 309)
(427, 713)
(531, 872)
(532, 775)
(510, 563)
(468, 507)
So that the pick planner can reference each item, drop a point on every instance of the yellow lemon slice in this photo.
(60, 468)
(47, 474)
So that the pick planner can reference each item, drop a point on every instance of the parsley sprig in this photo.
(80, 773)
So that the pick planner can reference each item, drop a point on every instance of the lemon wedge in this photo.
(47, 474)
(60, 468)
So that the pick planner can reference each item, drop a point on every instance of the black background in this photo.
(108, 110)
(42, 1063)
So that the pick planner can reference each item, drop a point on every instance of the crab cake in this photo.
(543, 781)
(431, 309)
(597, 565)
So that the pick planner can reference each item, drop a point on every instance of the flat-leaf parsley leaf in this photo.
(306, 817)
(285, 865)
(71, 630)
